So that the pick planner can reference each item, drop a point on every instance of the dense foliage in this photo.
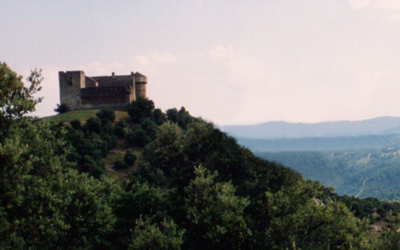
(194, 187)
(363, 173)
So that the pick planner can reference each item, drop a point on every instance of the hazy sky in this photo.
(230, 62)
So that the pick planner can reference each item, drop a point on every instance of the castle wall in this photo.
(140, 89)
(81, 92)
(71, 83)
(90, 82)
(109, 81)
(115, 97)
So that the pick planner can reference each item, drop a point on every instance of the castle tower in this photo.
(140, 84)
(71, 83)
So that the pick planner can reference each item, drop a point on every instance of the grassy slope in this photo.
(117, 152)
(81, 115)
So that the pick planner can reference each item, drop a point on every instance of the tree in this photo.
(215, 215)
(106, 114)
(140, 109)
(42, 202)
(173, 115)
(153, 236)
(16, 100)
(159, 117)
(93, 125)
(137, 136)
(120, 128)
(76, 124)
(129, 157)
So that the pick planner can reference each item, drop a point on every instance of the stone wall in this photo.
(116, 96)
(82, 92)
(71, 83)
(106, 81)
(140, 89)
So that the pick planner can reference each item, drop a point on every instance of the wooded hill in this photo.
(280, 129)
(191, 186)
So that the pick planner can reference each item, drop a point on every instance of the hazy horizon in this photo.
(230, 62)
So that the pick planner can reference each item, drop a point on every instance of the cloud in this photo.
(143, 60)
(219, 51)
(387, 4)
(358, 4)
(395, 17)
(163, 57)
(378, 4)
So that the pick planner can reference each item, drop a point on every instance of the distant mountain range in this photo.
(279, 129)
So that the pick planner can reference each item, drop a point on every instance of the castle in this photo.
(83, 92)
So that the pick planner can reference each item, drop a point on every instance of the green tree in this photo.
(173, 115)
(297, 220)
(159, 117)
(140, 109)
(215, 215)
(76, 124)
(93, 125)
(43, 203)
(137, 136)
(120, 128)
(164, 235)
(106, 114)
(16, 100)
(129, 157)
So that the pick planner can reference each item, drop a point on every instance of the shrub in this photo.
(129, 158)
(93, 125)
(63, 108)
(76, 124)
(137, 136)
(120, 164)
(120, 129)
(106, 114)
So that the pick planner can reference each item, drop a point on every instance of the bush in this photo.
(120, 129)
(137, 136)
(93, 125)
(129, 158)
(76, 124)
(106, 114)
(120, 164)
(63, 108)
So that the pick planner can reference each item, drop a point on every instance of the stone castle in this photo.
(83, 92)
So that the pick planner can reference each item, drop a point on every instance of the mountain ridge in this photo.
(281, 129)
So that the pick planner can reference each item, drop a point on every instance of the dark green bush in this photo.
(120, 164)
(106, 114)
(130, 157)
(63, 108)
(76, 124)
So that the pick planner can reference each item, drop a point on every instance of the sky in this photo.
(229, 62)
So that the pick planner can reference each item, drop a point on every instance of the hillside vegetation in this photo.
(190, 186)
(365, 173)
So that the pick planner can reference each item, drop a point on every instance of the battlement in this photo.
(83, 92)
